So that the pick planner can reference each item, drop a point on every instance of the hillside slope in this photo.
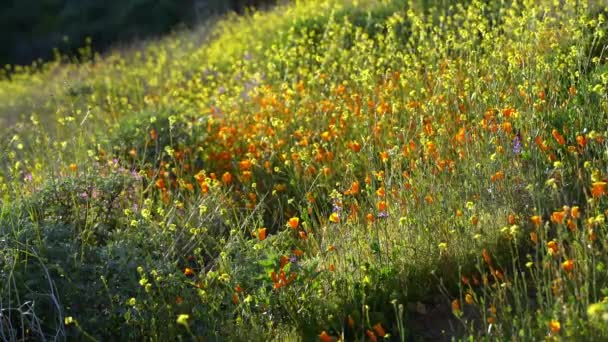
(326, 170)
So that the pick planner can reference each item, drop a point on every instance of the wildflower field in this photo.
(326, 170)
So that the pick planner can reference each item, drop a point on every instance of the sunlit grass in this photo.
(323, 170)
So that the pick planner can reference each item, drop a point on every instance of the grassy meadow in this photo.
(332, 170)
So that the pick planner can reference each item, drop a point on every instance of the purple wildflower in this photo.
(517, 144)
(336, 206)
(135, 175)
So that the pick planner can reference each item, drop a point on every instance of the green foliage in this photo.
(324, 169)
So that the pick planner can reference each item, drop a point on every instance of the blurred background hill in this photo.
(31, 29)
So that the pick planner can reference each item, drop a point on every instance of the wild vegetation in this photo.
(327, 170)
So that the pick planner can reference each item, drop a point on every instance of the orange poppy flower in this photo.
(262, 234)
(575, 212)
(227, 178)
(534, 237)
(354, 189)
(325, 337)
(581, 140)
(411, 145)
(431, 147)
(492, 309)
(554, 326)
(486, 256)
(456, 306)
(382, 206)
(558, 137)
(334, 218)
(552, 247)
(310, 197)
(571, 224)
(558, 217)
(273, 277)
(188, 272)
(384, 156)
(293, 222)
(541, 143)
(474, 220)
(379, 330)
(73, 167)
(598, 189)
(568, 265)
(284, 260)
(355, 146)
(372, 337)
(204, 187)
(245, 165)
(591, 235)
(460, 136)
(369, 217)
(536, 220)
(498, 176)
